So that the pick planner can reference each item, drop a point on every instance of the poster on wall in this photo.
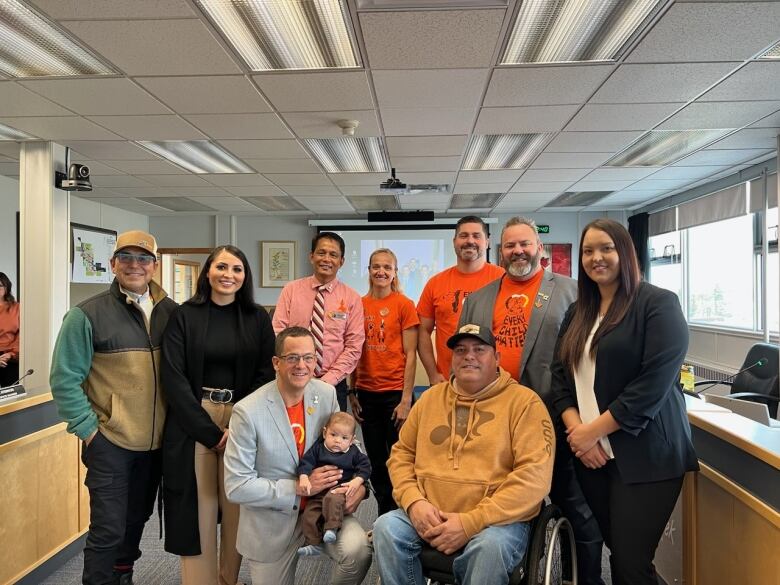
(91, 250)
(557, 258)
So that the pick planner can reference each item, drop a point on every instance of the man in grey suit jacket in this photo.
(497, 306)
(269, 431)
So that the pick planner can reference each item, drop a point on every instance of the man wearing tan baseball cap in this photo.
(105, 382)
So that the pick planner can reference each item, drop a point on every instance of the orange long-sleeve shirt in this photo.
(9, 330)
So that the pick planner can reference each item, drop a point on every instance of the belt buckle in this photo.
(229, 396)
(223, 392)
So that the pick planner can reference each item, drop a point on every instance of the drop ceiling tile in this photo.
(539, 187)
(236, 180)
(98, 97)
(225, 203)
(358, 178)
(718, 115)
(433, 177)
(175, 180)
(426, 145)
(287, 165)
(110, 150)
(591, 141)
(255, 191)
(749, 138)
(725, 31)
(608, 185)
(755, 81)
(500, 176)
(60, 128)
(473, 188)
(431, 39)
(218, 94)
(120, 181)
(662, 184)
(265, 148)
(199, 190)
(324, 124)
(722, 157)
(134, 205)
(156, 47)
(240, 126)
(311, 191)
(427, 121)
(149, 127)
(644, 192)
(521, 120)
(524, 202)
(624, 174)
(326, 204)
(19, 101)
(316, 92)
(651, 83)
(361, 190)
(541, 86)
(603, 118)
(546, 175)
(683, 172)
(770, 121)
(146, 167)
(10, 149)
(284, 179)
(430, 88)
(75, 9)
(567, 160)
(404, 164)
(140, 190)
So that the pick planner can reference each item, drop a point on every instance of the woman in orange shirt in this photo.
(9, 333)
(381, 393)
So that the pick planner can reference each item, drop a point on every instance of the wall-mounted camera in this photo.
(77, 178)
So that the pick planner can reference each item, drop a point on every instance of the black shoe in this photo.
(124, 578)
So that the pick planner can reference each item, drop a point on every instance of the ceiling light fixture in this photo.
(8, 133)
(503, 151)
(31, 46)
(197, 156)
(574, 30)
(658, 148)
(578, 198)
(275, 203)
(349, 155)
(294, 34)
(475, 201)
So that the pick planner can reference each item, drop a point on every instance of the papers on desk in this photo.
(12, 392)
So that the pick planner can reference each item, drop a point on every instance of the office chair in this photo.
(551, 558)
(757, 379)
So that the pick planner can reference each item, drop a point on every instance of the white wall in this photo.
(9, 205)
(106, 217)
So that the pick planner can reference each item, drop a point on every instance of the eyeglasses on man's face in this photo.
(142, 259)
(292, 359)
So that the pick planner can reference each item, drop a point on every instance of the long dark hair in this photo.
(244, 296)
(8, 297)
(589, 299)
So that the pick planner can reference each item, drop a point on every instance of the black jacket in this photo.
(637, 380)
(187, 422)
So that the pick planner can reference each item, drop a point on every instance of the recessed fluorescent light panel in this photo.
(773, 53)
(503, 151)
(658, 148)
(31, 46)
(559, 31)
(177, 203)
(371, 203)
(286, 34)
(275, 203)
(349, 155)
(197, 156)
(8, 133)
(475, 201)
(427, 4)
(578, 198)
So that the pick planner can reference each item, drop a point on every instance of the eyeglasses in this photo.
(477, 350)
(142, 259)
(292, 359)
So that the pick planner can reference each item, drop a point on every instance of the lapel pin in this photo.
(310, 410)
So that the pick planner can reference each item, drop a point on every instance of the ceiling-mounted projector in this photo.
(394, 186)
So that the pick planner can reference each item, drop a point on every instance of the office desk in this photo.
(45, 507)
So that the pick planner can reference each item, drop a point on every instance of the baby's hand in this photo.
(304, 485)
(353, 485)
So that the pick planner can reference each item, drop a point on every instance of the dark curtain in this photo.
(637, 227)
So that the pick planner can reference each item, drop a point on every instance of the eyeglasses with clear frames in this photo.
(142, 259)
(292, 359)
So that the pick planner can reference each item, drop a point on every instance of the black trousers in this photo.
(379, 435)
(9, 374)
(341, 395)
(566, 493)
(632, 518)
(122, 490)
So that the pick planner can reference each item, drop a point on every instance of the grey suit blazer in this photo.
(555, 294)
(261, 462)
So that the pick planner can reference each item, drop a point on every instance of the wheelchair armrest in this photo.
(755, 396)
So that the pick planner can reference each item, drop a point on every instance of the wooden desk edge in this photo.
(703, 420)
(25, 402)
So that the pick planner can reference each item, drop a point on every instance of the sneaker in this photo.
(329, 537)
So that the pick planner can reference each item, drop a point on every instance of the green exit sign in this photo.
(542, 229)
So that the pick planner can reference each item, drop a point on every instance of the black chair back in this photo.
(761, 379)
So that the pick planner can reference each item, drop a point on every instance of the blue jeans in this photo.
(488, 558)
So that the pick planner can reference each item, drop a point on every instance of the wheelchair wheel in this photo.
(552, 558)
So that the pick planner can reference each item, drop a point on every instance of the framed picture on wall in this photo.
(557, 258)
(90, 252)
(277, 264)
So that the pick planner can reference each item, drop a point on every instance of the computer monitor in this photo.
(753, 410)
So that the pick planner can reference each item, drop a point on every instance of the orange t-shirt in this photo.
(298, 426)
(511, 315)
(382, 364)
(442, 300)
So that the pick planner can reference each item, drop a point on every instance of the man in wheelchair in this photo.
(471, 467)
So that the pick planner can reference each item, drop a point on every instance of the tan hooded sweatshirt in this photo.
(494, 466)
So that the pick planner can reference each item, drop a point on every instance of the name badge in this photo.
(338, 315)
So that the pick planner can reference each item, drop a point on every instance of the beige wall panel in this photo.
(58, 491)
(757, 546)
(714, 518)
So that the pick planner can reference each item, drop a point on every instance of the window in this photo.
(666, 262)
(772, 273)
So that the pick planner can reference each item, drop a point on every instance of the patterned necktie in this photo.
(318, 327)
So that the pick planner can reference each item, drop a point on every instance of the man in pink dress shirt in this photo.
(343, 336)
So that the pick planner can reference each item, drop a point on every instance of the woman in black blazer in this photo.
(615, 379)
(217, 349)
